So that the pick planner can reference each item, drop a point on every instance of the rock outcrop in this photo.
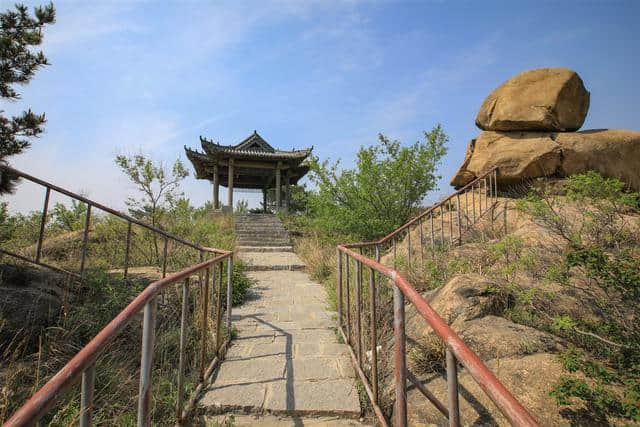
(529, 123)
(547, 99)
(519, 156)
(510, 350)
(613, 153)
(31, 298)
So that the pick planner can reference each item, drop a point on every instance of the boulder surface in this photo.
(518, 156)
(546, 99)
(614, 153)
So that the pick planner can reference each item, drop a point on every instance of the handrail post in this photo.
(452, 389)
(421, 242)
(126, 251)
(183, 344)
(218, 307)
(148, 341)
(229, 293)
(204, 323)
(85, 240)
(459, 219)
(43, 222)
(466, 206)
(374, 335)
(473, 201)
(339, 280)
(164, 257)
(442, 224)
(86, 396)
(400, 361)
(348, 288)
(409, 246)
(505, 217)
(358, 311)
(450, 221)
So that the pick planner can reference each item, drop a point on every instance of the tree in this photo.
(159, 186)
(384, 190)
(19, 31)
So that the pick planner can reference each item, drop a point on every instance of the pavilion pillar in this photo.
(216, 187)
(230, 187)
(264, 200)
(287, 190)
(278, 187)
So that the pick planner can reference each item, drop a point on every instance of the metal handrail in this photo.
(83, 363)
(456, 349)
(490, 173)
(93, 204)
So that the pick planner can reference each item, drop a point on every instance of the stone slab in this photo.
(338, 396)
(279, 421)
(286, 358)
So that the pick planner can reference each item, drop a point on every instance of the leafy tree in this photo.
(158, 185)
(384, 190)
(69, 219)
(19, 31)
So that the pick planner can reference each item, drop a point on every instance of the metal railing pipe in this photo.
(183, 344)
(339, 280)
(86, 396)
(374, 335)
(204, 288)
(146, 361)
(43, 223)
(85, 240)
(229, 293)
(452, 389)
(399, 356)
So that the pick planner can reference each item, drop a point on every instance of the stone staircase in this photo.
(264, 244)
(261, 233)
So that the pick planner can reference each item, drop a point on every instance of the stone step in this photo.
(267, 420)
(264, 248)
(263, 232)
(265, 242)
(286, 360)
(275, 267)
(261, 237)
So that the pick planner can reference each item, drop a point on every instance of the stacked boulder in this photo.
(530, 129)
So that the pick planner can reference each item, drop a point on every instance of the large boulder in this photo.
(613, 153)
(523, 155)
(30, 299)
(518, 156)
(547, 99)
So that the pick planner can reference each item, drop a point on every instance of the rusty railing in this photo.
(83, 364)
(483, 194)
(91, 206)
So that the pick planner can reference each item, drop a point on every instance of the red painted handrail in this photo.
(55, 388)
(497, 392)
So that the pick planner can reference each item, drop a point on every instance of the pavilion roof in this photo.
(254, 147)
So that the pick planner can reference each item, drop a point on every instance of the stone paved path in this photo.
(286, 358)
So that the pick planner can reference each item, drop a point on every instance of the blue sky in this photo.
(150, 77)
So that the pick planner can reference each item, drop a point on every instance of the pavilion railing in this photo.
(208, 278)
(447, 221)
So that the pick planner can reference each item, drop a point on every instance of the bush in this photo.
(384, 190)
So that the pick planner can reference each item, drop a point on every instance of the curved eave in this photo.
(223, 151)
(199, 162)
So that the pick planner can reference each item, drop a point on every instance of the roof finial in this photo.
(255, 132)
